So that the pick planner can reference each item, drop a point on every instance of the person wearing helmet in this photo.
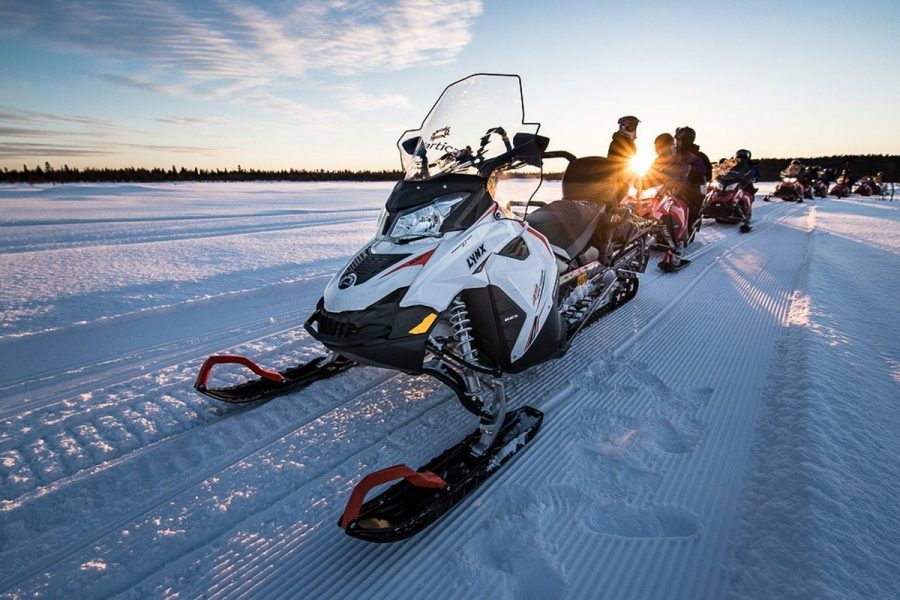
(749, 171)
(794, 169)
(667, 168)
(699, 173)
(622, 149)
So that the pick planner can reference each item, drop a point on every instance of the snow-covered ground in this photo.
(731, 433)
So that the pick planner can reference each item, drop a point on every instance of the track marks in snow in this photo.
(617, 435)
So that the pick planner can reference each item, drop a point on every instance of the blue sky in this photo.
(274, 84)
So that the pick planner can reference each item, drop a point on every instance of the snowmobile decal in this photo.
(418, 261)
(440, 133)
(425, 325)
(473, 258)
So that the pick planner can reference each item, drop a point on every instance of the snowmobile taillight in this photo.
(425, 479)
(232, 359)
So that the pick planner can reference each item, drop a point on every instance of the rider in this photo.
(700, 172)
(749, 170)
(794, 169)
(668, 168)
(622, 149)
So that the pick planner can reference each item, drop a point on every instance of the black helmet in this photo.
(628, 126)
(685, 134)
(664, 141)
(742, 153)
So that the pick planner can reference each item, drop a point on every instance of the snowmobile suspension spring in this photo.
(459, 321)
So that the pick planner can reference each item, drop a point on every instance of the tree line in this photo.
(66, 174)
(769, 169)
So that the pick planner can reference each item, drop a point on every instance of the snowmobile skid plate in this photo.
(424, 496)
(270, 383)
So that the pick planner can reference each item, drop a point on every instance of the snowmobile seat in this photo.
(591, 178)
(568, 226)
(588, 204)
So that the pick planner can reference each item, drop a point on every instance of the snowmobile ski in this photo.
(270, 383)
(424, 496)
(746, 228)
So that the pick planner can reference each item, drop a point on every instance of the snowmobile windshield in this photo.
(475, 128)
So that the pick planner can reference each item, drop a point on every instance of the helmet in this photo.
(628, 126)
(740, 154)
(685, 135)
(663, 141)
(795, 162)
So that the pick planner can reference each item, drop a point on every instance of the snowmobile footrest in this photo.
(671, 267)
(423, 496)
(270, 383)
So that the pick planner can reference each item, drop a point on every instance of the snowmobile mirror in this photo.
(529, 147)
(409, 146)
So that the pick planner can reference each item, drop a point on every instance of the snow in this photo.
(730, 433)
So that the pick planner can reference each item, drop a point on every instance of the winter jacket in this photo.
(621, 150)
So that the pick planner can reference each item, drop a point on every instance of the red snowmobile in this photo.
(841, 187)
(728, 200)
(669, 213)
(789, 189)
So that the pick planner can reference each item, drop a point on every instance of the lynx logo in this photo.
(473, 258)
(347, 281)
(440, 133)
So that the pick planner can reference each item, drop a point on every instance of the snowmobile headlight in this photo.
(650, 192)
(733, 186)
(426, 221)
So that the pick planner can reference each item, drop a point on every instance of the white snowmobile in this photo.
(457, 286)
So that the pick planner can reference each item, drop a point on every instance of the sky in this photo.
(273, 84)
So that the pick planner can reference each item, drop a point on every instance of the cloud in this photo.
(19, 150)
(31, 134)
(133, 82)
(234, 50)
(192, 121)
(201, 150)
(17, 115)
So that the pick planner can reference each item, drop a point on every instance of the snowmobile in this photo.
(457, 286)
(728, 200)
(669, 215)
(819, 188)
(867, 187)
(789, 189)
(841, 187)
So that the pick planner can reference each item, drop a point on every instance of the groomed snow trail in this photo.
(663, 470)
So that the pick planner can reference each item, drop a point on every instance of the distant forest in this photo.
(768, 168)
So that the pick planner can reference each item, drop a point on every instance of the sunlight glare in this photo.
(641, 161)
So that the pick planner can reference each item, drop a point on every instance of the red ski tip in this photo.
(232, 359)
(416, 478)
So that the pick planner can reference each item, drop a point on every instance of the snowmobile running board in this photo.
(270, 383)
(424, 496)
